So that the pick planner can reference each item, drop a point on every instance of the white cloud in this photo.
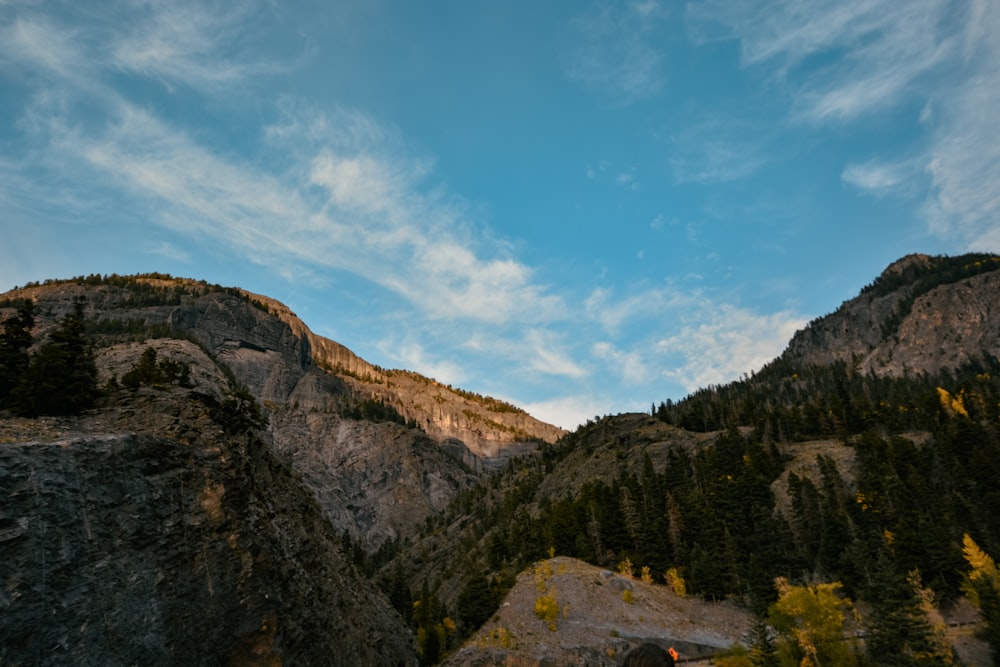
(843, 59)
(337, 190)
(412, 356)
(187, 43)
(876, 178)
(687, 336)
(545, 354)
(568, 412)
(725, 343)
(632, 367)
(612, 52)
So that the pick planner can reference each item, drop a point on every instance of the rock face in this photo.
(188, 547)
(924, 314)
(309, 385)
(595, 625)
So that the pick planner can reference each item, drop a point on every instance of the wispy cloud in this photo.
(611, 51)
(876, 50)
(877, 178)
(346, 195)
(721, 346)
(840, 61)
(200, 44)
(711, 341)
(718, 149)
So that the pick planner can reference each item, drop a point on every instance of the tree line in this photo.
(893, 533)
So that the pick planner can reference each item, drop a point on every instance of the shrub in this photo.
(547, 609)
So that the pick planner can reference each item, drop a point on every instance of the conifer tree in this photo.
(62, 376)
(982, 586)
(14, 343)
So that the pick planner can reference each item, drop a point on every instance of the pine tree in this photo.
(62, 376)
(982, 586)
(14, 343)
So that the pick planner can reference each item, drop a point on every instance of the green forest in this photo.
(893, 532)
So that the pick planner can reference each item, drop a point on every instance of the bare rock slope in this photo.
(143, 533)
(922, 315)
(596, 617)
(376, 481)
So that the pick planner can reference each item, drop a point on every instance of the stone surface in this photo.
(375, 481)
(944, 328)
(125, 548)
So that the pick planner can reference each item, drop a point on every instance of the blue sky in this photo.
(582, 208)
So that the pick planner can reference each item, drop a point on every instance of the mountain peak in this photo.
(923, 314)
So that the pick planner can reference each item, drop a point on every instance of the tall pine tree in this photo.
(14, 343)
(62, 376)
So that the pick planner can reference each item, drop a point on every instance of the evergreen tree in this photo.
(62, 376)
(982, 586)
(900, 630)
(14, 343)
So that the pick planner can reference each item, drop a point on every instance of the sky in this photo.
(583, 208)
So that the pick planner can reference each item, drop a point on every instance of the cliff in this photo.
(144, 533)
(377, 478)
(922, 315)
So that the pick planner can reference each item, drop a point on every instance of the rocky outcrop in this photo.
(186, 547)
(273, 353)
(922, 315)
(376, 481)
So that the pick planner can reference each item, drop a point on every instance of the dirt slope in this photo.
(601, 615)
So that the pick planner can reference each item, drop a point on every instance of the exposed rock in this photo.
(375, 481)
(596, 622)
(922, 325)
(142, 549)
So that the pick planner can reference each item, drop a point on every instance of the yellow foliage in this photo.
(984, 569)
(952, 404)
(982, 563)
(547, 609)
(646, 576)
(543, 572)
(676, 582)
(628, 596)
(735, 656)
(625, 567)
(498, 637)
(810, 623)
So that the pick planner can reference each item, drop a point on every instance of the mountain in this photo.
(210, 506)
(381, 449)
(921, 315)
(237, 463)
(859, 457)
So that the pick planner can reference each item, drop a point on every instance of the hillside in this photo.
(921, 315)
(814, 469)
(346, 424)
(152, 532)
(866, 459)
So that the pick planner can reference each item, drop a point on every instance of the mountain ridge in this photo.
(886, 403)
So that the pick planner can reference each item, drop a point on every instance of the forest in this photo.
(895, 532)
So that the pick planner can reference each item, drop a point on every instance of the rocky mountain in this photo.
(381, 449)
(921, 315)
(863, 456)
(152, 532)
(285, 476)
(201, 519)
